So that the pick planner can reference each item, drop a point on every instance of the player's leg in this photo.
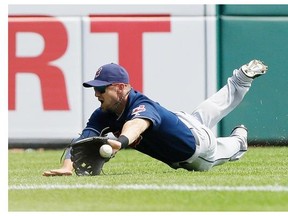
(231, 148)
(212, 110)
(213, 152)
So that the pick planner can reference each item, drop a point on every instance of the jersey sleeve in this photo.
(146, 110)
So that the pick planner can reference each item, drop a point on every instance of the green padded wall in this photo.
(242, 38)
(254, 10)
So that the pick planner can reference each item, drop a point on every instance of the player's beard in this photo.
(109, 106)
(114, 104)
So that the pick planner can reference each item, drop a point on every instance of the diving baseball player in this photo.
(180, 140)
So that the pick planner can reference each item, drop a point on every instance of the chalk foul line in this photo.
(270, 188)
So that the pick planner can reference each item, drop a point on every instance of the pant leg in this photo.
(215, 151)
(216, 107)
(227, 149)
(211, 155)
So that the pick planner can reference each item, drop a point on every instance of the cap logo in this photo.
(98, 72)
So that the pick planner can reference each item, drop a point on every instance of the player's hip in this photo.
(205, 145)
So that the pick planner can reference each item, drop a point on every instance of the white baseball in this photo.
(106, 151)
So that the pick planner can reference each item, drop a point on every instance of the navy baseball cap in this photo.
(108, 74)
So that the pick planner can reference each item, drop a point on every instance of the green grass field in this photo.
(136, 182)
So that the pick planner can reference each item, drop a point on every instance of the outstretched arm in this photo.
(132, 129)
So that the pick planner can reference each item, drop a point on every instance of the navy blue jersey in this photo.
(167, 139)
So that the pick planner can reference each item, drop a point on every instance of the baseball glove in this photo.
(85, 156)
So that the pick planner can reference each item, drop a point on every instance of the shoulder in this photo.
(136, 98)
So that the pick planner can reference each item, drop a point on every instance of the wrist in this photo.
(123, 140)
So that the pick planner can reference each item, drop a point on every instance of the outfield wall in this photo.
(169, 51)
(257, 31)
(172, 52)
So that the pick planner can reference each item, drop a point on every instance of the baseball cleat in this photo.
(241, 132)
(254, 69)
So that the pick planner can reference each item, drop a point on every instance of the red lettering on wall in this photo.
(53, 87)
(130, 29)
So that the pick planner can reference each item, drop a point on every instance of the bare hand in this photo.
(65, 170)
(116, 145)
(58, 172)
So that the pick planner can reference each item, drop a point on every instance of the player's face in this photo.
(107, 96)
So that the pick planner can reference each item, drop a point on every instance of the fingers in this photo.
(57, 173)
(116, 145)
